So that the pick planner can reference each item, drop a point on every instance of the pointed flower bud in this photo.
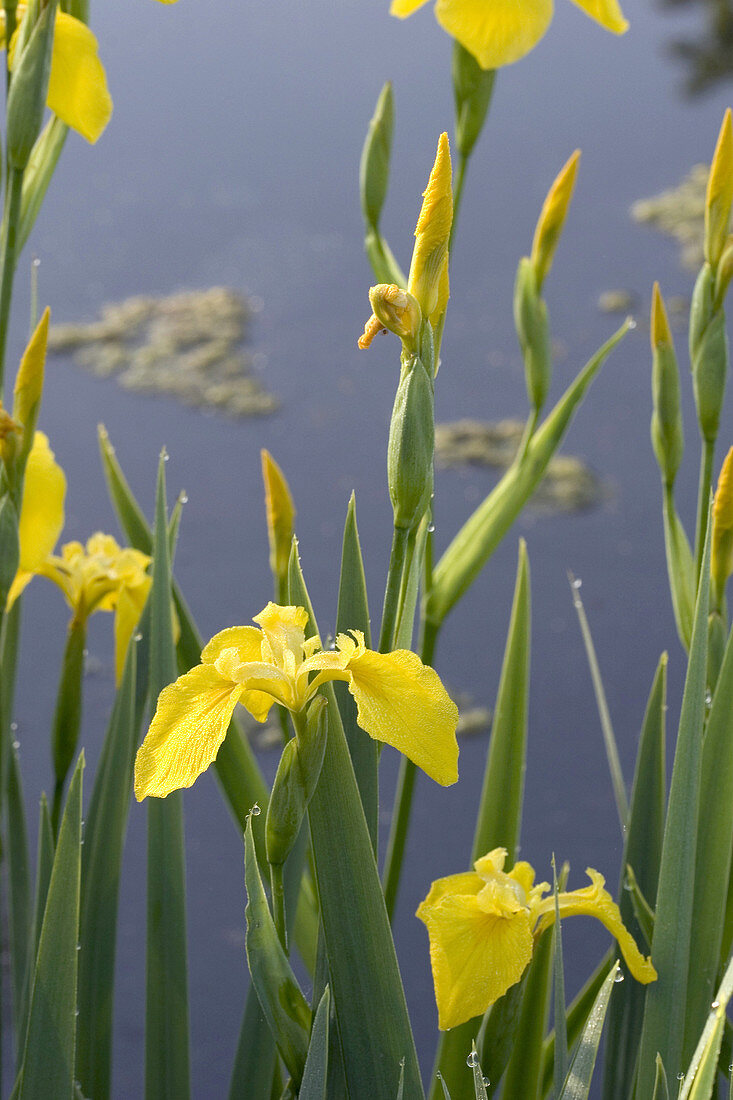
(29, 382)
(427, 280)
(533, 332)
(375, 157)
(666, 427)
(719, 193)
(280, 515)
(721, 559)
(411, 446)
(708, 353)
(552, 218)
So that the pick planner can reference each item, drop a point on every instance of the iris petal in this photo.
(498, 32)
(606, 12)
(475, 956)
(189, 726)
(41, 512)
(402, 702)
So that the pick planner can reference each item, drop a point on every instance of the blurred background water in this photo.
(232, 159)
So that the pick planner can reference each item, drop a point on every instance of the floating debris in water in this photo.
(679, 212)
(187, 344)
(568, 485)
(617, 301)
(473, 721)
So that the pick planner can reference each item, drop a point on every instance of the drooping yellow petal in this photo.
(403, 8)
(475, 955)
(29, 381)
(402, 702)
(606, 12)
(77, 86)
(280, 512)
(187, 730)
(595, 901)
(41, 512)
(496, 33)
(130, 604)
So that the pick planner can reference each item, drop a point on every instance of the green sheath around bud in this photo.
(29, 89)
(666, 427)
(708, 354)
(9, 546)
(533, 332)
(295, 781)
(472, 91)
(411, 446)
(375, 157)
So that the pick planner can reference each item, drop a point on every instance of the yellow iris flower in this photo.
(483, 925)
(77, 85)
(399, 699)
(41, 517)
(498, 32)
(102, 577)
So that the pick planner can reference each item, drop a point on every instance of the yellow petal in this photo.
(29, 382)
(594, 901)
(552, 218)
(475, 956)
(606, 12)
(721, 558)
(496, 33)
(41, 512)
(247, 641)
(403, 8)
(130, 604)
(190, 724)
(77, 87)
(719, 196)
(280, 512)
(402, 702)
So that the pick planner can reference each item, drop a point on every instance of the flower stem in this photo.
(403, 799)
(13, 198)
(390, 613)
(703, 499)
(278, 903)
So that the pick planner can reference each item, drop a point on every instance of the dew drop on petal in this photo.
(631, 323)
(619, 976)
(431, 528)
(577, 583)
(680, 1076)
(486, 1082)
(472, 1060)
(13, 726)
(255, 811)
(183, 498)
(715, 1004)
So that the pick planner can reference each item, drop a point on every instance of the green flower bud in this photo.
(295, 782)
(666, 427)
(411, 446)
(533, 331)
(375, 157)
(472, 91)
(708, 353)
(9, 546)
(29, 88)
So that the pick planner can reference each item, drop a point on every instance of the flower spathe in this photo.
(498, 32)
(77, 84)
(483, 925)
(399, 700)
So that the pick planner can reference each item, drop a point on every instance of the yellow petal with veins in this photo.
(247, 641)
(475, 956)
(402, 702)
(189, 726)
(496, 33)
(595, 901)
(128, 609)
(41, 512)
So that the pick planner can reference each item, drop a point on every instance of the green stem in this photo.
(13, 198)
(703, 500)
(390, 613)
(403, 799)
(278, 903)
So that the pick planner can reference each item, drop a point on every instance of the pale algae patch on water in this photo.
(568, 485)
(679, 212)
(189, 345)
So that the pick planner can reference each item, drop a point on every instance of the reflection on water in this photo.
(708, 57)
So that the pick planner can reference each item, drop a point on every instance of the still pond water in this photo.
(232, 160)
